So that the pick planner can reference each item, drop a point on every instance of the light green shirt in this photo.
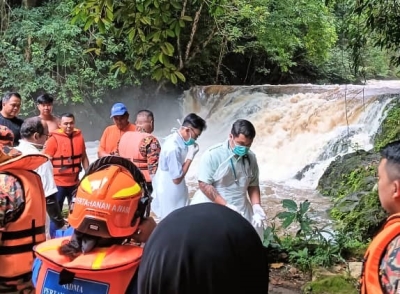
(214, 156)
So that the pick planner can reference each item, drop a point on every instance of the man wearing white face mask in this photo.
(177, 153)
(34, 133)
(228, 175)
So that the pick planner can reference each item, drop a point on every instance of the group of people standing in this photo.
(208, 245)
(228, 172)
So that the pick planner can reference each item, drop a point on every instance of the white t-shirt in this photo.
(45, 171)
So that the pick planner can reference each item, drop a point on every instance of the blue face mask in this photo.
(240, 150)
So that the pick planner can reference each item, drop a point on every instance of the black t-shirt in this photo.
(14, 124)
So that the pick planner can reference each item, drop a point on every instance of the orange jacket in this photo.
(370, 278)
(103, 270)
(66, 154)
(111, 136)
(19, 237)
(128, 147)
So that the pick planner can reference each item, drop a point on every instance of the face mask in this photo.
(189, 142)
(240, 150)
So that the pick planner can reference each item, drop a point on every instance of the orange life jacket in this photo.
(19, 237)
(370, 279)
(67, 160)
(102, 271)
(128, 148)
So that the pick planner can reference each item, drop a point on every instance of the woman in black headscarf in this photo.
(204, 249)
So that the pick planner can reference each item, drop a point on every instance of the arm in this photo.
(150, 148)
(102, 146)
(390, 276)
(254, 185)
(50, 147)
(212, 194)
(85, 160)
(185, 169)
(254, 194)
(207, 167)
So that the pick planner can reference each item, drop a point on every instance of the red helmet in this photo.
(110, 200)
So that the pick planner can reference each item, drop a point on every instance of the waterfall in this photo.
(297, 126)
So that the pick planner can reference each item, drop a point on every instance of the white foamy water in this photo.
(296, 125)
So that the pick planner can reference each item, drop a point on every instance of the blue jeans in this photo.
(62, 193)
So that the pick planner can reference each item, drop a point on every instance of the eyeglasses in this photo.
(196, 136)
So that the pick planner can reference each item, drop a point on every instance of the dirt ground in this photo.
(285, 280)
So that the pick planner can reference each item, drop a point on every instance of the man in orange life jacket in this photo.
(22, 218)
(141, 147)
(67, 150)
(110, 203)
(381, 269)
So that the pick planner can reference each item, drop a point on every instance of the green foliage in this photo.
(311, 246)
(356, 207)
(390, 127)
(382, 23)
(331, 285)
(43, 51)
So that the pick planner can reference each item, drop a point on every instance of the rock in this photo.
(355, 269)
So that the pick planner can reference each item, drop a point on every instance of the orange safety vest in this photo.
(128, 148)
(68, 158)
(19, 237)
(102, 271)
(370, 279)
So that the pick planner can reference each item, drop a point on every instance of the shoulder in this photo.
(217, 149)
(109, 129)
(132, 127)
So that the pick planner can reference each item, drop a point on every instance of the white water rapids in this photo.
(297, 125)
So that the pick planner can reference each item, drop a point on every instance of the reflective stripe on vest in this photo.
(68, 157)
(19, 237)
(103, 270)
(370, 278)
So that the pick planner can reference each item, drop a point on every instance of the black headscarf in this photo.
(204, 249)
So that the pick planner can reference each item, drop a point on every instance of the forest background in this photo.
(79, 50)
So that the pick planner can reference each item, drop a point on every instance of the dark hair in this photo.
(8, 96)
(67, 114)
(145, 112)
(30, 126)
(194, 121)
(45, 99)
(244, 127)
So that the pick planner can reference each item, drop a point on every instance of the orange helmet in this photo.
(110, 200)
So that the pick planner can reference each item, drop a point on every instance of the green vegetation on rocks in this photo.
(351, 180)
(390, 128)
(332, 284)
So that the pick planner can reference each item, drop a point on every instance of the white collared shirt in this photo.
(45, 171)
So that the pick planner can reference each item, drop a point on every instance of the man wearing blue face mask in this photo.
(169, 187)
(228, 172)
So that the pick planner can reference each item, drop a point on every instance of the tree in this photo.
(382, 23)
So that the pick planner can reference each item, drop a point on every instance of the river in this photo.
(297, 126)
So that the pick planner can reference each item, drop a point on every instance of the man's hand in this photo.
(193, 149)
(146, 227)
(258, 216)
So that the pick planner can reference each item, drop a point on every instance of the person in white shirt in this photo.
(170, 191)
(34, 133)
